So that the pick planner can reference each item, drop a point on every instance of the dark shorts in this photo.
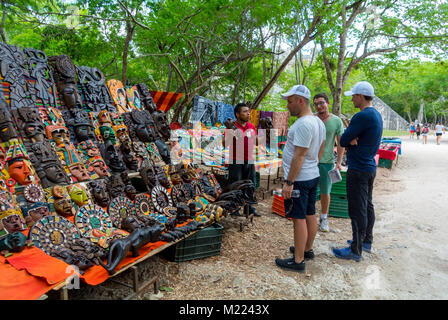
(438, 134)
(305, 204)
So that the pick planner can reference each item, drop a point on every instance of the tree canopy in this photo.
(241, 50)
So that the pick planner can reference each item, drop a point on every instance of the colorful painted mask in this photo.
(78, 195)
(99, 167)
(89, 148)
(20, 172)
(79, 172)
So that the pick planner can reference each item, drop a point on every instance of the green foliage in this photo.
(224, 49)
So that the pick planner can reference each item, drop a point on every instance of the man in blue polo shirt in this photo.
(362, 139)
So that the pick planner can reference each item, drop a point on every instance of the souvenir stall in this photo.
(87, 181)
(202, 143)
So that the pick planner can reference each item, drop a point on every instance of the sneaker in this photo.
(291, 265)
(308, 255)
(346, 253)
(324, 227)
(367, 247)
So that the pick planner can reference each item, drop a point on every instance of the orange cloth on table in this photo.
(19, 284)
(40, 264)
(254, 117)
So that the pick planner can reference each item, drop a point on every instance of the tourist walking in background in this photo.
(418, 130)
(334, 129)
(439, 131)
(425, 132)
(362, 139)
(412, 130)
(303, 150)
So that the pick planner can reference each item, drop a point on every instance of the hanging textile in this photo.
(165, 100)
(280, 121)
(254, 117)
(204, 111)
(225, 111)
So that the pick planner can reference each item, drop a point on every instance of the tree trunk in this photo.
(129, 33)
(2, 25)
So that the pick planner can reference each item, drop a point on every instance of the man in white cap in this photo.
(304, 147)
(362, 139)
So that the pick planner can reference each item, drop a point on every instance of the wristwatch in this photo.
(289, 183)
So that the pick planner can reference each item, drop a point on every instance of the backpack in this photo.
(425, 130)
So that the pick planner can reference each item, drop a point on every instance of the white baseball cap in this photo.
(363, 88)
(298, 90)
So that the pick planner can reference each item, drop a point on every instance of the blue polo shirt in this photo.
(367, 125)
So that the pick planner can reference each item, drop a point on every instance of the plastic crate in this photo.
(385, 163)
(278, 205)
(338, 207)
(257, 180)
(202, 244)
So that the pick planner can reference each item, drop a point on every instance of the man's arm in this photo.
(350, 135)
(321, 150)
(340, 151)
(296, 166)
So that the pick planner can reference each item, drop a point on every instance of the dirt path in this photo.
(412, 224)
(409, 258)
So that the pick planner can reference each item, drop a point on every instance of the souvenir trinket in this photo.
(142, 204)
(119, 208)
(33, 193)
(52, 233)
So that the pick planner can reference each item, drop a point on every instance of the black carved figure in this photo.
(162, 125)
(183, 212)
(115, 186)
(13, 69)
(7, 128)
(13, 242)
(129, 156)
(141, 126)
(163, 151)
(96, 95)
(112, 157)
(149, 176)
(78, 120)
(64, 74)
(119, 248)
(146, 98)
(99, 192)
(43, 88)
(47, 164)
(30, 124)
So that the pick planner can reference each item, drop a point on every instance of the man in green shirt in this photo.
(334, 128)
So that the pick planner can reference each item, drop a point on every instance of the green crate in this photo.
(385, 163)
(338, 207)
(202, 244)
(257, 180)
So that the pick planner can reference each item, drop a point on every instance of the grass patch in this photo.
(395, 133)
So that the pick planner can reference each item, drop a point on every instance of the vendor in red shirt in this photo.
(241, 141)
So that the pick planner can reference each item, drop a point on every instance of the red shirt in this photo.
(242, 148)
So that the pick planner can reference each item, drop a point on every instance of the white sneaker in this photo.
(324, 225)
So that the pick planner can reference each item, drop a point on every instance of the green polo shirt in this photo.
(334, 128)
